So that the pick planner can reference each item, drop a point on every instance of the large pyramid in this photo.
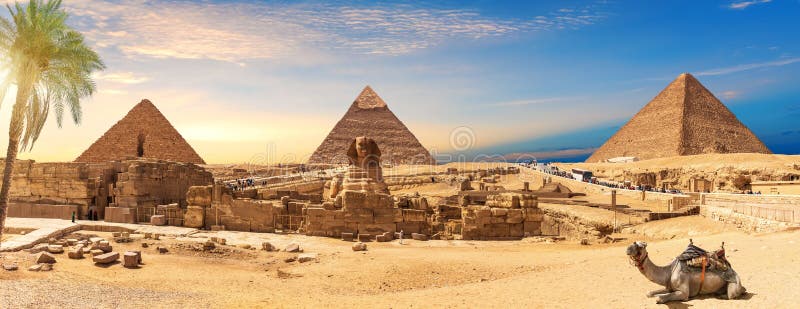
(369, 116)
(684, 119)
(143, 132)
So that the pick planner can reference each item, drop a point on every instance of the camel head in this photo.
(636, 250)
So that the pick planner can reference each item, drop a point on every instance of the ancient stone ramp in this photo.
(143, 132)
(684, 119)
(44, 229)
(370, 116)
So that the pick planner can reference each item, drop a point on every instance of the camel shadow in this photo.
(681, 305)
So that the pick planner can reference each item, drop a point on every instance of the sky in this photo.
(267, 80)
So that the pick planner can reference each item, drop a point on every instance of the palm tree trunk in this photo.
(14, 134)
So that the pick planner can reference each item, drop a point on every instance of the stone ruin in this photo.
(358, 205)
(115, 191)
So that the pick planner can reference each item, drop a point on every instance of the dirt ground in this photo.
(415, 274)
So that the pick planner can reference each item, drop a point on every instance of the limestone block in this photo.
(106, 258)
(293, 247)
(55, 249)
(131, 259)
(76, 253)
(515, 216)
(96, 252)
(267, 246)
(158, 220)
(199, 196)
(359, 246)
(364, 237)
(499, 212)
(347, 236)
(194, 217)
(307, 257)
(44, 257)
(411, 215)
(418, 236)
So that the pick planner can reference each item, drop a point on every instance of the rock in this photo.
(95, 240)
(290, 259)
(348, 236)
(125, 234)
(116, 234)
(44, 257)
(267, 246)
(359, 246)
(76, 253)
(307, 257)
(584, 241)
(10, 267)
(221, 241)
(158, 220)
(46, 267)
(417, 236)
(365, 237)
(55, 249)
(131, 259)
(88, 250)
(96, 252)
(209, 245)
(72, 241)
(38, 248)
(162, 250)
(106, 258)
(244, 246)
(148, 235)
(156, 236)
(145, 245)
(293, 247)
(36, 267)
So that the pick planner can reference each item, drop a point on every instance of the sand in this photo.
(416, 274)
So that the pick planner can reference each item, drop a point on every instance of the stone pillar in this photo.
(526, 186)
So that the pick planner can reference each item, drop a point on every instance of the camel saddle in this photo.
(694, 257)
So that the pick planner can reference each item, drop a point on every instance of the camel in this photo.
(681, 284)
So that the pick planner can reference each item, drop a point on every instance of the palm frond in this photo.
(49, 61)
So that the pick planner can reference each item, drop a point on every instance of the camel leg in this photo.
(657, 292)
(677, 295)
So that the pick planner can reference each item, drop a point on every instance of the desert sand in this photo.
(415, 274)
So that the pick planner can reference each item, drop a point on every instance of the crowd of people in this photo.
(555, 171)
(244, 183)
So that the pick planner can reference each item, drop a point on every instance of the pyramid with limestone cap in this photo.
(370, 116)
(684, 119)
(143, 132)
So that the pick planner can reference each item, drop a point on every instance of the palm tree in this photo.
(51, 66)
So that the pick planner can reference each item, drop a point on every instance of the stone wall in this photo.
(744, 221)
(28, 210)
(505, 215)
(147, 183)
(782, 208)
(131, 184)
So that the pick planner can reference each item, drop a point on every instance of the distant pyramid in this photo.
(369, 116)
(684, 119)
(143, 132)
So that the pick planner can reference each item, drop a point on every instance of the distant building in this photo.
(776, 187)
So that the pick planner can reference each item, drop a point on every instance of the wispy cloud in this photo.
(240, 31)
(747, 67)
(531, 101)
(730, 94)
(741, 5)
(128, 78)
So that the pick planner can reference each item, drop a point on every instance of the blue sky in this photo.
(255, 80)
